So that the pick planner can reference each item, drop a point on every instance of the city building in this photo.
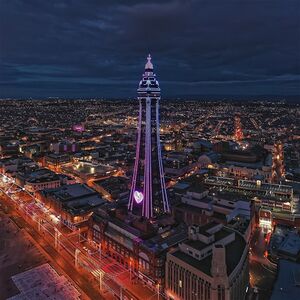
(86, 170)
(201, 206)
(38, 180)
(32, 150)
(74, 203)
(9, 147)
(113, 188)
(275, 203)
(285, 243)
(178, 164)
(252, 164)
(253, 188)
(64, 147)
(208, 160)
(287, 283)
(204, 267)
(55, 160)
(135, 242)
(11, 166)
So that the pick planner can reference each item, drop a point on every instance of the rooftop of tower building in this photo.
(149, 65)
(153, 237)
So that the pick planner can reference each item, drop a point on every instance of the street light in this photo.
(130, 269)
(158, 291)
(100, 280)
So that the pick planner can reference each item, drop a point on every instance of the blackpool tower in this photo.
(148, 194)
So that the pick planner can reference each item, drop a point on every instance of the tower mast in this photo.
(148, 194)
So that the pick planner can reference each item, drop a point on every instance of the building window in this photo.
(221, 292)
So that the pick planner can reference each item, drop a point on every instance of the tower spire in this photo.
(148, 65)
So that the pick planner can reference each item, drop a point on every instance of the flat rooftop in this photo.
(167, 239)
(153, 241)
(76, 198)
(197, 188)
(114, 184)
(70, 191)
(190, 208)
(291, 244)
(280, 188)
(250, 165)
(237, 247)
(249, 185)
(181, 186)
(41, 175)
(231, 196)
(219, 235)
(43, 282)
(88, 168)
(287, 285)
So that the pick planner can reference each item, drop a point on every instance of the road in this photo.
(262, 271)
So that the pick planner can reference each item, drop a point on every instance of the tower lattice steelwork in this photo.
(148, 195)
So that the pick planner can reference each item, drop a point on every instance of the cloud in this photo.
(233, 45)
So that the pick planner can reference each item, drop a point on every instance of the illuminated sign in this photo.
(265, 214)
(138, 197)
(78, 128)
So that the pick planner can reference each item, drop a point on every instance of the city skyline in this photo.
(232, 180)
(202, 48)
(150, 149)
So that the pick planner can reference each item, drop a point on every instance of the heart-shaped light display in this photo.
(138, 197)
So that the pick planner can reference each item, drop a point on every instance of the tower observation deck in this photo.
(148, 194)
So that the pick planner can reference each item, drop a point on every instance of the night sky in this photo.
(94, 48)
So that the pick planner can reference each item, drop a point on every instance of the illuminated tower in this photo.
(278, 162)
(238, 132)
(148, 195)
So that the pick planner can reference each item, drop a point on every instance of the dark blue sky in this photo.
(199, 47)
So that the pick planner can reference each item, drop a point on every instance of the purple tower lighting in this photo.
(148, 193)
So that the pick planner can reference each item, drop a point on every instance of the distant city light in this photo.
(78, 128)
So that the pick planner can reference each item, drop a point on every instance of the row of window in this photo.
(143, 264)
(186, 284)
(42, 186)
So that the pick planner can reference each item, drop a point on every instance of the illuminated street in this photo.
(17, 253)
(107, 274)
(262, 271)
